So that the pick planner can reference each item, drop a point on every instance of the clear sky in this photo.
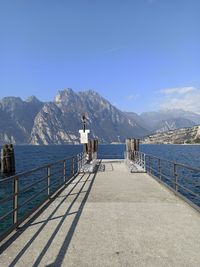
(141, 55)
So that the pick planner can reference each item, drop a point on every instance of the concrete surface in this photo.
(115, 218)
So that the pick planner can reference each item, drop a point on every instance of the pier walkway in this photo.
(110, 218)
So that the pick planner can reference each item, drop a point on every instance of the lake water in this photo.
(186, 154)
(30, 157)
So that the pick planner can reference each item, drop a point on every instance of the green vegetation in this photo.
(188, 142)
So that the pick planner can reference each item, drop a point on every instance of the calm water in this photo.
(30, 157)
(186, 154)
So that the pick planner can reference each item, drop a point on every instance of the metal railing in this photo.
(22, 194)
(181, 179)
(136, 157)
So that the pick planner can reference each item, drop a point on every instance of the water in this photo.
(187, 179)
(186, 154)
(30, 157)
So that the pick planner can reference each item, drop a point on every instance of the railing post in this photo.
(73, 169)
(149, 165)
(15, 200)
(175, 177)
(159, 169)
(144, 162)
(82, 160)
(77, 165)
(64, 171)
(78, 162)
(48, 180)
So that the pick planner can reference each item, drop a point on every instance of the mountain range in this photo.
(57, 122)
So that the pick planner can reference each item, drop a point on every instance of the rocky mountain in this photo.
(50, 127)
(180, 136)
(139, 120)
(17, 118)
(179, 113)
(58, 122)
(172, 124)
(165, 120)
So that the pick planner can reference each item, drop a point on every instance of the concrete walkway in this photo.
(113, 218)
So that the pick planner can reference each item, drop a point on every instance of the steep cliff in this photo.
(17, 119)
(59, 122)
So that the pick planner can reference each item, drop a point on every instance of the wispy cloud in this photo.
(133, 97)
(178, 90)
(186, 98)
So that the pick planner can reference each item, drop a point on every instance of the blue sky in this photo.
(141, 55)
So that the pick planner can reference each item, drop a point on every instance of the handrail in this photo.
(68, 169)
(154, 166)
(37, 169)
(173, 162)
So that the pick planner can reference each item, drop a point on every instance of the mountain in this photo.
(50, 127)
(139, 120)
(179, 113)
(179, 136)
(161, 121)
(57, 122)
(16, 119)
(172, 124)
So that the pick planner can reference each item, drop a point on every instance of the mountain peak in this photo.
(91, 94)
(64, 95)
(33, 99)
(11, 98)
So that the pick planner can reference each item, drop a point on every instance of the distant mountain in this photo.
(179, 113)
(179, 136)
(161, 121)
(16, 119)
(172, 124)
(139, 120)
(58, 122)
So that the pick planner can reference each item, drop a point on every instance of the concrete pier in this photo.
(111, 218)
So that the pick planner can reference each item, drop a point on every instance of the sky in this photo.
(141, 55)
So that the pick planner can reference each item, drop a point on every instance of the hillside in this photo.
(180, 136)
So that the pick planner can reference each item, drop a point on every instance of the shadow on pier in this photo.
(65, 208)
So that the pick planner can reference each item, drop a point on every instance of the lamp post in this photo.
(84, 121)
